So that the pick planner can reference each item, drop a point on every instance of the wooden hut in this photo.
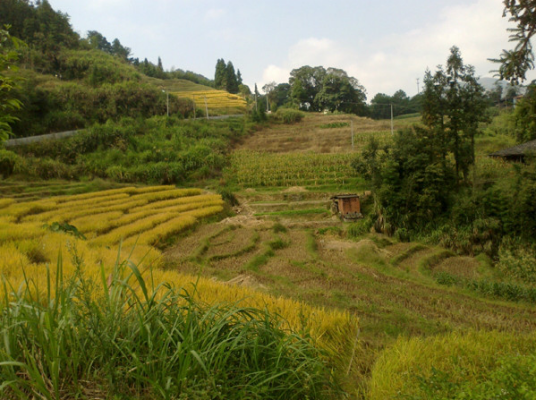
(346, 206)
(517, 153)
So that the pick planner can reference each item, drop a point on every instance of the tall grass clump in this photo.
(125, 337)
(473, 365)
(289, 116)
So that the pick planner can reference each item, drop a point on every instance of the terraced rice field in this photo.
(128, 225)
(217, 101)
(256, 169)
(392, 287)
(134, 216)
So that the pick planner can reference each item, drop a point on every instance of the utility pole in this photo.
(167, 101)
(352, 129)
(206, 107)
(256, 104)
(418, 88)
(392, 123)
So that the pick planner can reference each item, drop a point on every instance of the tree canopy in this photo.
(453, 105)
(225, 77)
(318, 89)
(515, 63)
(8, 103)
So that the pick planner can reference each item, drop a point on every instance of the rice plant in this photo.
(124, 336)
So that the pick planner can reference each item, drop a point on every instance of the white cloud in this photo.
(214, 14)
(105, 4)
(273, 73)
(315, 52)
(396, 61)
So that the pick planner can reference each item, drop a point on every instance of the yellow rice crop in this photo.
(125, 231)
(464, 357)
(6, 202)
(18, 210)
(150, 189)
(96, 223)
(64, 210)
(86, 196)
(181, 200)
(70, 215)
(145, 216)
(162, 231)
(169, 194)
(215, 99)
(12, 260)
(13, 232)
(204, 212)
(93, 201)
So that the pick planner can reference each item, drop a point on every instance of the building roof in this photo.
(344, 196)
(519, 150)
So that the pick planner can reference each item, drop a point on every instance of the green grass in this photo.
(294, 212)
(334, 125)
(244, 250)
(408, 253)
(474, 365)
(114, 341)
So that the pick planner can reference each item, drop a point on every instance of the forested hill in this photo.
(70, 82)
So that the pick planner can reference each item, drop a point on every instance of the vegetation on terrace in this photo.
(141, 219)
(433, 307)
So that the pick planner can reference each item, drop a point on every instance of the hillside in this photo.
(67, 82)
(280, 241)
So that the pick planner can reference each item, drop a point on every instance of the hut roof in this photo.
(519, 150)
(344, 196)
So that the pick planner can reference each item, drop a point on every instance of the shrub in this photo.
(228, 196)
(289, 116)
(124, 336)
(359, 228)
(8, 161)
(476, 365)
(518, 262)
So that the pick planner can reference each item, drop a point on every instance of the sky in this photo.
(386, 44)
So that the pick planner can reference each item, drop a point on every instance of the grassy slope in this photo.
(392, 290)
(388, 287)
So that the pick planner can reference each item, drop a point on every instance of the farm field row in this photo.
(256, 169)
(320, 134)
(34, 239)
(215, 100)
(407, 320)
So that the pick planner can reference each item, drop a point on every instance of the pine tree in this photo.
(453, 106)
(220, 77)
(232, 81)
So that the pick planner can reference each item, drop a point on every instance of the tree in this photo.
(220, 76)
(340, 92)
(269, 90)
(99, 42)
(524, 116)
(411, 182)
(160, 69)
(306, 83)
(231, 79)
(316, 89)
(281, 95)
(8, 104)
(515, 63)
(453, 105)
(119, 50)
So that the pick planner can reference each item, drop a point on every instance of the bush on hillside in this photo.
(289, 115)
(153, 343)
(8, 161)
